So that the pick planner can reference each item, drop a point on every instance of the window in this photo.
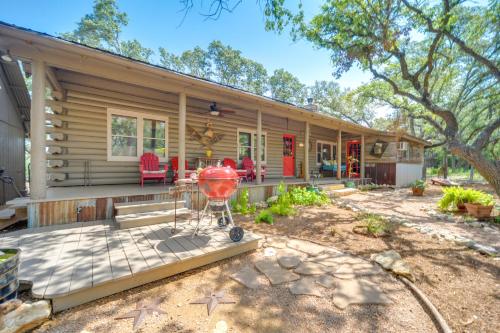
(325, 151)
(247, 145)
(131, 134)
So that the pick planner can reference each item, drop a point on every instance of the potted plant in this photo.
(418, 187)
(481, 206)
(455, 198)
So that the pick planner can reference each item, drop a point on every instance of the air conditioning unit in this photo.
(402, 145)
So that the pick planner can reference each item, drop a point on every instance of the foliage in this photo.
(350, 184)
(456, 196)
(283, 206)
(265, 216)
(242, 204)
(102, 29)
(284, 86)
(420, 184)
(375, 224)
(306, 197)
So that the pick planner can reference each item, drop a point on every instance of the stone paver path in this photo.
(306, 247)
(312, 268)
(274, 272)
(358, 291)
(248, 277)
(351, 270)
(326, 281)
(305, 286)
(289, 258)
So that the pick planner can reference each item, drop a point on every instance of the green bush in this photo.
(455, 196)
(375, 224)
(282, 206)
(242, 205)
(420, 184)
(265, 216)
(307, 197)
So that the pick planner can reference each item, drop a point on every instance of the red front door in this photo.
(288, 155)
(353, 156)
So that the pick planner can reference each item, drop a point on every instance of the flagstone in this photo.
(352, 269)
(248, 277)
(289, 258)
(358, 291)
(312, 268)
(274, 272)
(305, 286)
(326, 281)
(306, 247)
(278, 242)
(334, 259)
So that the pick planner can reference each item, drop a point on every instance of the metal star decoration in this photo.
(215, 298)
(142, 310)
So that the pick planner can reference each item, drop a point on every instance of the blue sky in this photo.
(157, 23)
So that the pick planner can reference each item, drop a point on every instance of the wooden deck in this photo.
(76, 263)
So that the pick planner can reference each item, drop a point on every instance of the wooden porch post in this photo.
(38, 179)
(362, 162)
(306, 151)
(182, 135)
(258, 162)
(339, 154)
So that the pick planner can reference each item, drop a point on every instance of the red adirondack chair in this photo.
(149, 168)
(175, 168)
(248, 165)
(244, 174)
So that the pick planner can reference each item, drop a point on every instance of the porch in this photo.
(76, 263)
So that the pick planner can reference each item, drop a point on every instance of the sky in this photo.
(159, 23)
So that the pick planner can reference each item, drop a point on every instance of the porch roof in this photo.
(57, 52)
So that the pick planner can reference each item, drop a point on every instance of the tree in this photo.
(102, 29)
(170, 60)
(286, 87)
(441, 58)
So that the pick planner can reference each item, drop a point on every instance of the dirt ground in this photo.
(461, 283)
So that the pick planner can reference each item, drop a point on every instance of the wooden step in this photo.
(126, 208)
(331, 187)
(149, 218)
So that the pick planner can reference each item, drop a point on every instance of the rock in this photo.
(248, 277)
(358, 291)
(269, 252)
(350, 270)
(391, 260)
(289, 258)
(25, 317)
(273, 271)
(484, 249)
(326, 281)
(10, 306)
(220, 327)
(276, 242)
(306, 247)
(305, 286)
(312, 268)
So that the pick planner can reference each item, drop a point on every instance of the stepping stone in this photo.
(269, 252)
(289, 258)
(358, 291)
(307, 247)
(326, 281)
(391, 260)
(312, 268)
(333, 259)
(351, 270)
(278, 242)
(273, 271)
(248, 277)
(305, 286)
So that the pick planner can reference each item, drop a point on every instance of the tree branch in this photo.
(483, 138)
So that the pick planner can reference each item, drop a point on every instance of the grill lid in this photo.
(218, 173)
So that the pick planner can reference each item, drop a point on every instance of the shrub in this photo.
(265, 216)
(420, 184)
(307, 197)
(283, 205)
(456, 196)
(350, 184)
(375, 224)
(242, 205)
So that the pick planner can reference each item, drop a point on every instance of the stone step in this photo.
(149, 218)
(331, 187)
(125, 208)
(343, 192)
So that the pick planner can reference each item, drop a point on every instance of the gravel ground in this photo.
(461, 283)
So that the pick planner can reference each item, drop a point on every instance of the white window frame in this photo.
(332, 144)
(253, 137)
(140, 135)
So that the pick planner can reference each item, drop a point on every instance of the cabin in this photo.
(94, 114)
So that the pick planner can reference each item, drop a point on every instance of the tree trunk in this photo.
(471, 173)
(445, 164)
(490, 170)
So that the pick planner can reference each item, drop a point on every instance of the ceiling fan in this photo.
(216, 111)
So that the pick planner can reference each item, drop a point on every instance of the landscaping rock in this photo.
(358, 291)
(484, 249)
(289, 258)
(273, 271)
(326, 281)
(312, 268)
(25, 317)
(391, 260)
(220, 327)
(248, 277)
(305, 286)
(306, 247)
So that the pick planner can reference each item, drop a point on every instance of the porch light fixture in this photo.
(6, 56)
(213, 109)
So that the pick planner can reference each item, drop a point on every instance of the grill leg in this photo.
(228, 213)
(195, 232)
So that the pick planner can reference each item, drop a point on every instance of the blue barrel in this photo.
(9, 283)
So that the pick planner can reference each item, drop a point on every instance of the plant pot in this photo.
(8, 275)
(461, 207)
(479, 211)
(418, 192)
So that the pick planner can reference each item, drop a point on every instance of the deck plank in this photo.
(134, 256)
(119, 262)
(101, 265)
(150, 255)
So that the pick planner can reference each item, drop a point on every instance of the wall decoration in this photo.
(378, 148)
(207, 139)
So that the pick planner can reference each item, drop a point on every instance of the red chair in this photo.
(243, 174)
(248, 165)
(149, 168)
(175, 168)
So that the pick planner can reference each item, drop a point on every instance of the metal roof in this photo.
(17, 90)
